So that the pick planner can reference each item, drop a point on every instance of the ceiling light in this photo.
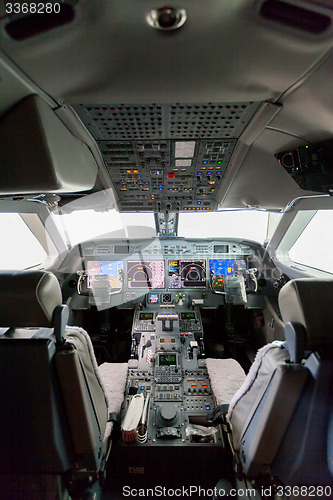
(166, 18)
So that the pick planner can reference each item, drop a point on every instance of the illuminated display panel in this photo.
(145, 316)
(187, 315)
(167, 360)
(113, 269)
(145, 274)
(153, 298)
(231, 267)
(187, 273)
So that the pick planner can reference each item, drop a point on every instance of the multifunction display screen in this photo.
(112, 269)
(145, 274)
(153, 298)
(167, 360)
(187, 315)
(146, 316)
(229, 267)
(187, 273)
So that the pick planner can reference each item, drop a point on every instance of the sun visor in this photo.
(39, 154)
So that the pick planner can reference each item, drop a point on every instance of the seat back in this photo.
(34, 430)
(53, 409)
(288, 393)
(305, 453)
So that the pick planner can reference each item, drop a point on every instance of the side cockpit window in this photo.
(19, 248)
(313, 247)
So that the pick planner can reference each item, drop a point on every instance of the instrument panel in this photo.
(175, 265)
(182, 274)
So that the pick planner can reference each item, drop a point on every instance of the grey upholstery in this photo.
(309, 303)
(83, 395)
(28, 298)
(243, 407)
(83, 347)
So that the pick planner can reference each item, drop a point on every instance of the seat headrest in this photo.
(28, 298)
(309, 302)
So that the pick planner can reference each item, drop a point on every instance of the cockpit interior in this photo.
(166, 276)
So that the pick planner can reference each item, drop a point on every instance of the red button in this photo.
(171, 175)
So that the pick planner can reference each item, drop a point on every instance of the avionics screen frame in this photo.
(174, 355)
(87, 263)
(225, 261)
(188, 261)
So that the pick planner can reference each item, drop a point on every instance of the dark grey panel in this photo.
(112, 122)
(209, 121)
(166, 121)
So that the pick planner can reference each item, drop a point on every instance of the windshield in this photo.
(83, 225)
(244, 224)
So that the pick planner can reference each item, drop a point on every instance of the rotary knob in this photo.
(168, 414)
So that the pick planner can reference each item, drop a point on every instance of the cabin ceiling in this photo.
(138, 87)
(224, 52)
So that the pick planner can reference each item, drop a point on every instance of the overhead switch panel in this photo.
(167, 157)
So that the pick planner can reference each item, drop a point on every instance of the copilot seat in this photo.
(281, 417)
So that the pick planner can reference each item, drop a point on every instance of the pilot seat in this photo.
(57, 407)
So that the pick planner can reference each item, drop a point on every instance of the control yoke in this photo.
(101, 287)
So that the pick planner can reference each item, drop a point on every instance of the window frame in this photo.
(291, 226)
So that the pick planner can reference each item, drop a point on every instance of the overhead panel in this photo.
(167, 157)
